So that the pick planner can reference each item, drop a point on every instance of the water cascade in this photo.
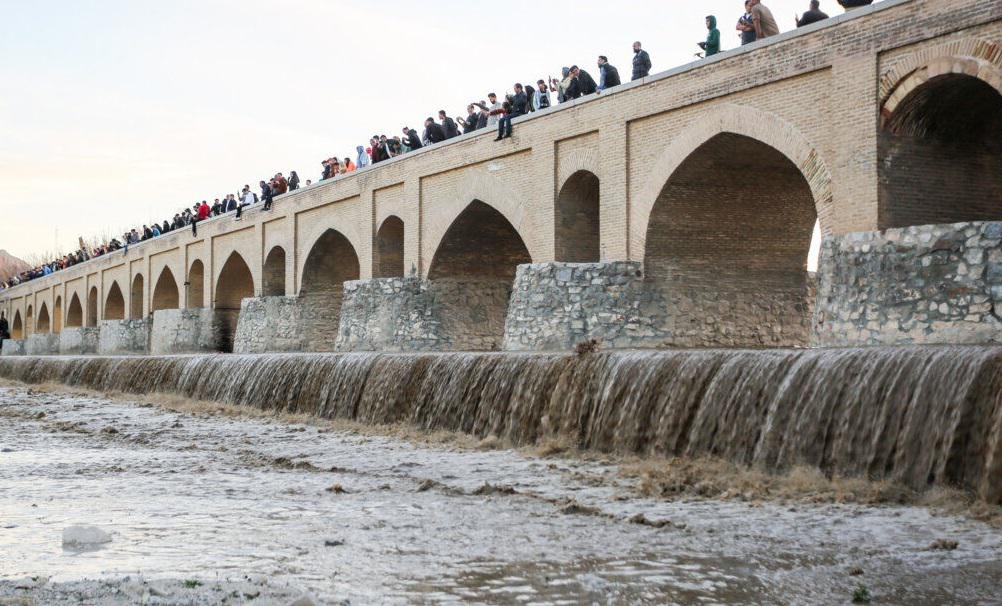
(915, 415)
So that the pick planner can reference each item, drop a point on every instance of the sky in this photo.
(116, 113)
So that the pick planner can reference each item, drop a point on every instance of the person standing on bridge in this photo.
(813, 15)
(849, 5)
(746, 25)
(712, 44)
(267, 194)
(608, 76)
(765, 23)
(641, 62)
(448, 125)
(542, 98)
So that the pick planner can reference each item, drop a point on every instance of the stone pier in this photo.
(124, 337)
(79, 341)
(46, 344)
(180, 331)
(13, 347)
(270, 324)
(924, 284)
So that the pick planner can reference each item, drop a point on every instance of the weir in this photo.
(920, 416)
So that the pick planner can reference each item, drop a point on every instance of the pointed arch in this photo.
(486, 189)
(332, 261)
(940, 157)
(17, 326)
(114, 303)
(42, 324)
(165, 293)
(136, 300)
(57, 316)
(74, 313)
(273, 279)
(29, 325)
(765, 127)
(388, 252)
(727, 245)
(481, 243)
(576, 219)
(235, 283)
(196, 285)
(92, 311)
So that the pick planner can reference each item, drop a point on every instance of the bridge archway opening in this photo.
(136, 300)
(473, 268)
(29, 326)
(728, 243)
(388, 261)
(941, 154)
(74, 313)
(235, 283)
(92, 307)
(196, 285)
(331, 262)
(42, 325)
(165, 293)
(274, 273)
(114, 304)
(57, 316)
(17, 326)
(577, 219)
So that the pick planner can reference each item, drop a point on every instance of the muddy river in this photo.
(205, 509)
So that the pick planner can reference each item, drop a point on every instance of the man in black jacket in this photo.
(581, 83)
(411, 139)
(851, 4)
(433, 132)
(519, 107)
(641, 62)
(608, 75)
(448, 125)
(812, 16)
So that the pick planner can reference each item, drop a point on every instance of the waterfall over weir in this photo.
(915, 415)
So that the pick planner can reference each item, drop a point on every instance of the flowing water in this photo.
(207, 509)
(913, 415)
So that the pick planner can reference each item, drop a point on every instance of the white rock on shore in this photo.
(83, 536)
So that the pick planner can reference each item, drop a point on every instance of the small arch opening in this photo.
(388, 253)
(577, 219)
(114, 303)
(273, 281)
(136, 300)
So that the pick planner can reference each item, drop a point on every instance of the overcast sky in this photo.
(114, 113)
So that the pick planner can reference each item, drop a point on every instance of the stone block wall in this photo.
(177, 331)
(555, 306)
(46, 344)
(13, 347)
(79, 341)
(270, 324)
(124, 337)
(925, 284)
(410, 314)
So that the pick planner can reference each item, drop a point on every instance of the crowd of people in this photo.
(756, 23)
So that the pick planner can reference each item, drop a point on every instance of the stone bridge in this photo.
(673, 211)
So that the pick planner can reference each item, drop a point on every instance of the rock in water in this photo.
(83, 536)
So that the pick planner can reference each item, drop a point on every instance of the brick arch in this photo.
(17, 326)
(745, 121)
(92, 307)
(165, 292)
(487, 190)
(57, 316)
(273, 275)
(960, 56)
(576, 218)
(316, 241)
(43, 322)
(137, 296)
(243, 250)
(74, 313)
(29, 325)
(388, 248)
(114, 303)
(576, 161)
(195, 283)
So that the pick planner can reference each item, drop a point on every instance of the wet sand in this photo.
(215, 509)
